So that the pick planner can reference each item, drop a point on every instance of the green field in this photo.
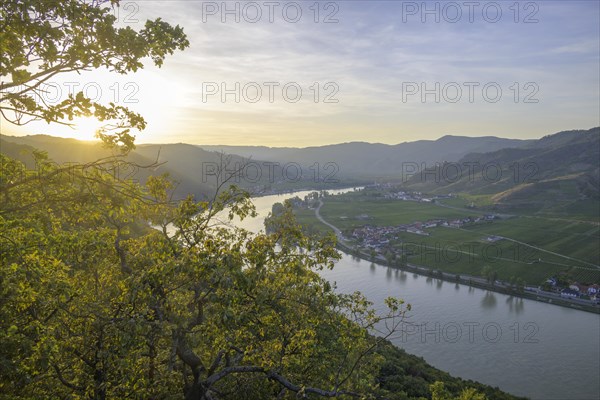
(308, 221)
(466, 250)
(381, 212)
(575, 239)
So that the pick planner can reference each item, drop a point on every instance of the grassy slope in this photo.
(557, 175)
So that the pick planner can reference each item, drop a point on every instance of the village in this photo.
(572, 290)
(377, 237)
(381, 241)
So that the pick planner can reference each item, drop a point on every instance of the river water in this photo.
(522, 346)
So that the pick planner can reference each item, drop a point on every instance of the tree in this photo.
(489, 274)
(42, 39)
(97, 304)
(389, 257)
(439, 392)
(486, 272)
(108, 289)
(494, 277)
(520, 285)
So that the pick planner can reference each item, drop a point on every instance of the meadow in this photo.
(534, 249)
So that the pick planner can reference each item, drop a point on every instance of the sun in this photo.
(83, 128)
(86, 127)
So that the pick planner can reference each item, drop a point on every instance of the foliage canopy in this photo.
(42, 39)
(96, 303)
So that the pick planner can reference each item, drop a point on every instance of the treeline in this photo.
(405, 376)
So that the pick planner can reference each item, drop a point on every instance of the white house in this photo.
(569, 293)
(593, 290)
(574, 287)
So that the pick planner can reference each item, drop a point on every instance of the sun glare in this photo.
(84, 128)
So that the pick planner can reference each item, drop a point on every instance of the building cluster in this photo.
(575, 290)
(377, 237)
(414, 196)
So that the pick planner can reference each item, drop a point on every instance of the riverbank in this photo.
(292, 191)
(480, 283)
(500, 287)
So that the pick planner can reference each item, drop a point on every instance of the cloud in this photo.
(370, 54)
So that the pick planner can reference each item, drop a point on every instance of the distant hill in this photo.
(375, 160)
(193, 168)
(562, 167)
(182, 162)
(268, 169)
(560, 171)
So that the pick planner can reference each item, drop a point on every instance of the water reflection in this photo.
(439, 284)
(489, 300)
(515, 304)
(456, 286)
(402, 276)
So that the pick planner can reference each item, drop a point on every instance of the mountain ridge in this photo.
(567, 162)
(556, 172)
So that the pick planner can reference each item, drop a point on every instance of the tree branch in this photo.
(274, 376)
(65, 382)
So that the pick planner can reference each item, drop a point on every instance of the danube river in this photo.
(522, 346)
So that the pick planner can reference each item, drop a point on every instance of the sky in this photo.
(307, 73)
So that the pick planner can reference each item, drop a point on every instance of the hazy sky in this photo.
(376, 71)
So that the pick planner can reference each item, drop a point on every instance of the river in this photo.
(524, 347)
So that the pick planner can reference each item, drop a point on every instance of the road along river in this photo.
(522, 346)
